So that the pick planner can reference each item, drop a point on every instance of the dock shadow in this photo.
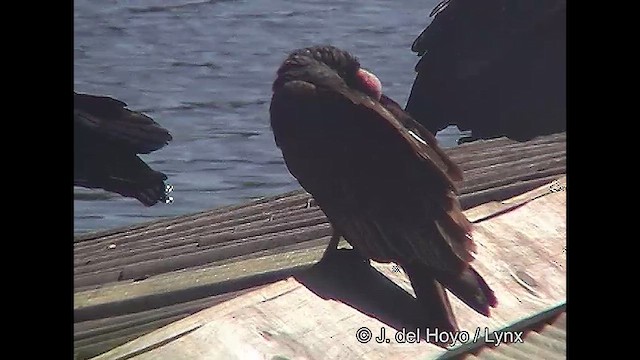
(346, 277)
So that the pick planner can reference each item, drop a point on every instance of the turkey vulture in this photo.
(495, 67)
(107, 138)
(378, 175)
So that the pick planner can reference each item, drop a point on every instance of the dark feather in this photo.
(495, 67)
(440, 158)
(107, 139)
(109, 120)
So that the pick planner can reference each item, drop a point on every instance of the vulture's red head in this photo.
(340, 61)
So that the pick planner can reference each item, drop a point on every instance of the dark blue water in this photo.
(203, 70)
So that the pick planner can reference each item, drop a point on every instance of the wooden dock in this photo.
(237, 261)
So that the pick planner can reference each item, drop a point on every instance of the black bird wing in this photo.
(442, 159)
(496, 67)
(122, 173)
(107, 139)
(106, 119)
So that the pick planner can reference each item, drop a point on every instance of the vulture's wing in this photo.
(101, 118)
(440, 158)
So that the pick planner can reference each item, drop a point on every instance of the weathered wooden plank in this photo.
(543, 335)
(508, 154)
(230, 249)
(486, 148)
(204, 241)
(292, 318)
(94, 348)
(495, 208)
(118, 330)
(234, 212)
(468, 201)
(108, 300)
(298, 246)
(91, 328)
(211, 223)
(187, 238)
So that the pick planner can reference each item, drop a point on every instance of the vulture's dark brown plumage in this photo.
(378, 175)
(495, 67)
(107, 138)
